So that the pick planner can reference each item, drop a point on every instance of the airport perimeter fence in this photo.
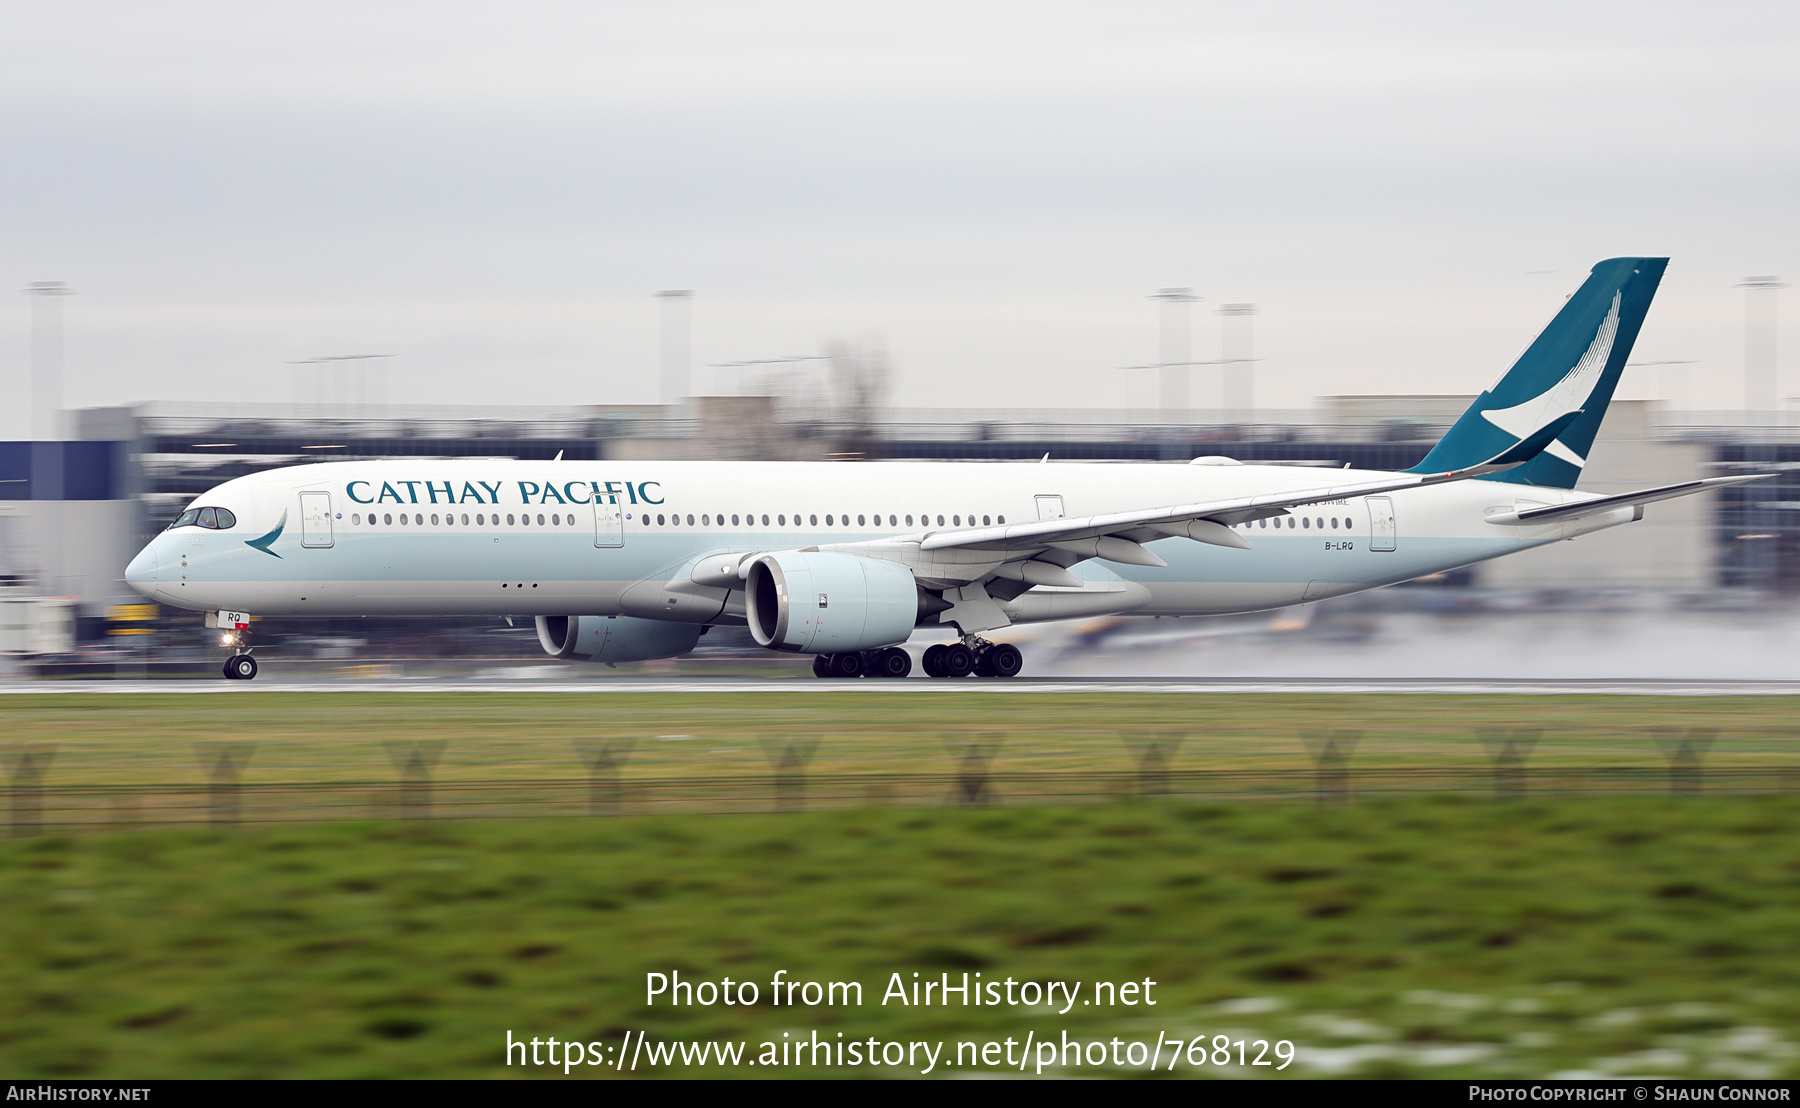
(971, 777)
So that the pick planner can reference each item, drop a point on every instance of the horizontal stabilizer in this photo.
(1556, 512)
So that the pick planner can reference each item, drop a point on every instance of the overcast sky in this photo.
(492, 192)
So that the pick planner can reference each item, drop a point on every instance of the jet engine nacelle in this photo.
(829, 603)
(615, 638)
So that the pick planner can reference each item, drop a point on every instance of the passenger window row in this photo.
(832, 519)
(220, 519)
(557, 519)
(450, 519)
(1301, 521)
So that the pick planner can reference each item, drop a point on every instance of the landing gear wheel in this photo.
(240, 667)
(933, 661)
(847, 664)
(892, 662)
(957, 660)
(1004, 660)
(822, 665)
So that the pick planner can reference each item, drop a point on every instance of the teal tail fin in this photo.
(1547, 409)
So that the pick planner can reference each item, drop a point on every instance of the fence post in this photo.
(1153, 751)
(26, 765)
(1684, 750)
(1331, 764)
(415, 759)
(225, 763)
(789, 758)
(604, 758)
(972, 758)
(1509, 748)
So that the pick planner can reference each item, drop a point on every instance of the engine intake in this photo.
(614, 638)
(818, 603)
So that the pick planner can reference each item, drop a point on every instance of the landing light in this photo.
(228, 639)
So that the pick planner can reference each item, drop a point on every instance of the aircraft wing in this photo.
(1116, 536)
(1555, 512)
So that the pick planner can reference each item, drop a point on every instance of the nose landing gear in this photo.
(236, 638)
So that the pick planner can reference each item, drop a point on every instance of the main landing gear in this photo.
(891, 662)
(957, 659)
(977, 656)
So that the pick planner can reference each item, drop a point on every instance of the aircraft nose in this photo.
(141, 573)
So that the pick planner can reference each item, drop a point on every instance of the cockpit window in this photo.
(220, 519)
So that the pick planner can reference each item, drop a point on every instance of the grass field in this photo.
(348, 736)
(1419, 934)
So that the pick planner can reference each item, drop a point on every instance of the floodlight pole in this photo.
(1237, 361)
(677, 327)
(47, 357)
(1175, 354)
(348, 362)
(1760, 369)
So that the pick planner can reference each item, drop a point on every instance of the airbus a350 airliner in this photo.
(627, 561)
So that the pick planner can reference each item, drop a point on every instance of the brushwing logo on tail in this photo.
(1567, 396)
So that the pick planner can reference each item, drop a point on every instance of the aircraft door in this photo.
(1382, 532)
(1050, 507)
(315, 519)
(609, 521)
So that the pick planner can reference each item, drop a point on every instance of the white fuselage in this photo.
(500, 537)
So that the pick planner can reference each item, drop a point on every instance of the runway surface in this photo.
(735, 686)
